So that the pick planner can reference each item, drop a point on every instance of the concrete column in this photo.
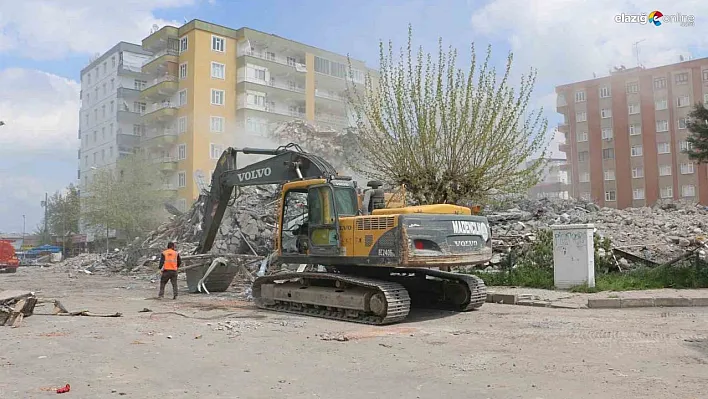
(310, 87)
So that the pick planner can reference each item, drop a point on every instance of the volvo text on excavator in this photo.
(377, 262)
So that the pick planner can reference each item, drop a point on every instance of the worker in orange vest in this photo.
(170, 261)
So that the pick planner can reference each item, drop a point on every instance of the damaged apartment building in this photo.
(187, 93)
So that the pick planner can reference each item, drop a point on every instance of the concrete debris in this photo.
(15, 306)
(659, 233)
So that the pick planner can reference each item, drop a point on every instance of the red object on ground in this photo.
(8, 259)
(66, 388)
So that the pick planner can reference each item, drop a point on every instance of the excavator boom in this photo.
(287, 163)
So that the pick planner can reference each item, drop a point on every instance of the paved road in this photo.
(217, 346)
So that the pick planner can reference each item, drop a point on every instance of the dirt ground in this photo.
(216, 346)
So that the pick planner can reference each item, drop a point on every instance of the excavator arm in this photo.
(287, 163)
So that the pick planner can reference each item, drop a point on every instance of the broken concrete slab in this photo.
(15, 306)
(699, 302)
(559, 305)
(507, 299)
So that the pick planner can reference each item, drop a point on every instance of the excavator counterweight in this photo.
(378, 260)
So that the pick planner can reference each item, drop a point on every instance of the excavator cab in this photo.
(310, 211)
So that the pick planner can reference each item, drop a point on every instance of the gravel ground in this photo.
(217, 346)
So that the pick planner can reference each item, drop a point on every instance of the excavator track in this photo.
(333, 296)
(438, 289)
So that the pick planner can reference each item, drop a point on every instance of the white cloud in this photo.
(40, 111)
(50, 29)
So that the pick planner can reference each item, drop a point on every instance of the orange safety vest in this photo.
(170, 259)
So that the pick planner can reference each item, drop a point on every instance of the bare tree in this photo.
(445, 135)
(128, 199)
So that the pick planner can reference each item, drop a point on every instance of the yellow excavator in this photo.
(376, 261)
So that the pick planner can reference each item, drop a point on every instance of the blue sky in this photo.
(45, 43)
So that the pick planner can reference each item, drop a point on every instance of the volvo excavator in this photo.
(374, 262)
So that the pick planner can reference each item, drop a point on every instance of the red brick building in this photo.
(625, 134)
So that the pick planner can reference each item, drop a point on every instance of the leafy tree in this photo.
(444, 134)
(63, 212)
(697, 126)
(128, 199)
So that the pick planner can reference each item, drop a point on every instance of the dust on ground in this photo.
(221, 346)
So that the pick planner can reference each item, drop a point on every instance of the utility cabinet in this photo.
(573, 255)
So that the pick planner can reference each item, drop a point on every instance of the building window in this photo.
(662, 126)
(110, 129)
(633, 87)
(664, 170)
(215, 151)
(681, 78)
(667, 192)
(94, 157)
(584, 177)
(659, 83)
(89, 78)
(610, 196)
(638, 194)
(217, 97)
(217, 124)
(682, 123)
(637, 173)
(636, 151)
(105, 90)
(182, 179)
(685, 146)
(139, 107)
(581, 116)
(139, 84)
(95, 115)
(607, 133)
(103, 110)
(103, 133)
(705, 74)
(182, 98)
(688, 190)
(582, 136)
(183, 71)
(182, 124)
(218, 70)
(606, 113)
(609, 174)
(604, 92)
(682, 101)
(687, 168)
(112, 107)
(256, 125)
(291, 61)
(95, 133)
(660, 105)
(583, 156)
(579, 95)
(85, 160)
(218, 44)
(103, 155)
(608, 153)
(633, 109)
(181, 152)
(663, 148)
(183, 44)
(635, 129)
(256, 99)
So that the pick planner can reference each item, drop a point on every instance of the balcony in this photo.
(165, 164)
(163, 138)
(563, 127)
(161, 39)
(160, 113)
(273, 83)
(127, 92)
(127, 140)
(125, 115)
(129, 69)
(160, 59)
(330, 95)
(169, 187)
(560, 101)
(564, 147)
(272, 108)
(274, 58)
(160, 88)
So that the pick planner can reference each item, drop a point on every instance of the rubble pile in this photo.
(659, 233)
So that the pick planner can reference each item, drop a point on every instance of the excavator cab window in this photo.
(295, 232)
(346, 201)
(323, 221)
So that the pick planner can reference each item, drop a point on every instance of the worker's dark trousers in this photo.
(168, 275)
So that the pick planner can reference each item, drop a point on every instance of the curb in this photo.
(650, 302)
(527, 300)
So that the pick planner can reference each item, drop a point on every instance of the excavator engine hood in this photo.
(451, 240)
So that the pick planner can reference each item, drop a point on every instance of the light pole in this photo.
(23, 234)
(45, 204)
